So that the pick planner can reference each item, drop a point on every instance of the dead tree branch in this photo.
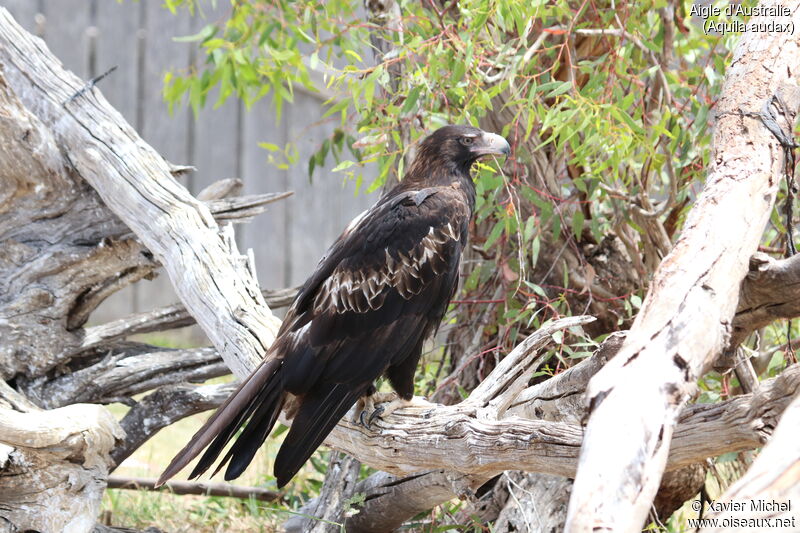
(685, 320)
(465, 446)
(770, 291)
(324, 513)
(214, 281)
(125, 370)
(164, 407)
(163, 318)
(53, 466)
(470, 441)
(199, 489)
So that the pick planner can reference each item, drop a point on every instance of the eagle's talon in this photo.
(362, 419)
(368, 411)
(375, 414)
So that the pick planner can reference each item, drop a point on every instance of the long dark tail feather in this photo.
(255, 433)
(258, 418)
(262, 384)
(319, 413)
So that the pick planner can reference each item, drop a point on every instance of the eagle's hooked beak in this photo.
(491, 144)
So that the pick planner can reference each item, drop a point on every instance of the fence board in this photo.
(319, 198)
(217, 144)
(118, 45)
(65, 31)
(168, 134)
(217, 132)
(266, 235)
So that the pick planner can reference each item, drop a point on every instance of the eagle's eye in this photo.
(466, 141)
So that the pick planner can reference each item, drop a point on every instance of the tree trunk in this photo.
(685, 320)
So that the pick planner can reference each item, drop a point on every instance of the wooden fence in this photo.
(91, 36)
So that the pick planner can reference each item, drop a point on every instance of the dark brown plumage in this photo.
(374, 298)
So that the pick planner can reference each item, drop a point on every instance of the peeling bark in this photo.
(685, 320)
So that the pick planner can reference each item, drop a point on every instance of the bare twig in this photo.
(196, 488)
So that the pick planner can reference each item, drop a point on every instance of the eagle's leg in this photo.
(366, 409)
(401, 377)
(372, 411)
(382, 411)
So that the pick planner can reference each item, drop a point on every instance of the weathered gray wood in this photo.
(119, 308)
(124, 371)
(119, 43)
(325, 513)
(462, 439)
(536, 502)
(561, 397)
(44, 281)
(768, 294)
(24, 11)
(161, 319)
(53, 466)
(711, 425)
(137, 38)
(163, 407)
(556, 399)
(136, 183)
(381, 512)
(684, 322)
(61, 252)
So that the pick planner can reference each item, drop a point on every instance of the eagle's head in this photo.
(460, 146)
